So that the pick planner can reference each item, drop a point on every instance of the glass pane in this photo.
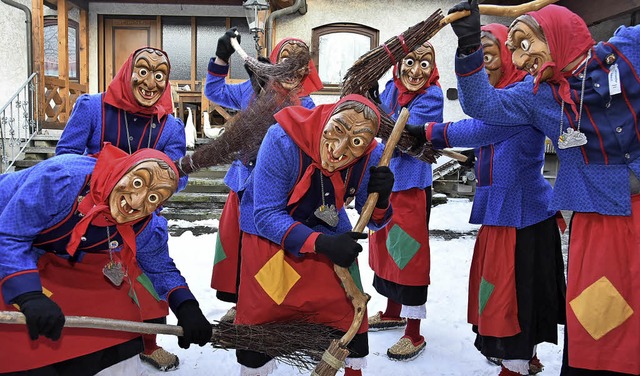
(337, 52)
(176, 41)
(51, 51)
(237, 65)
(208, 29)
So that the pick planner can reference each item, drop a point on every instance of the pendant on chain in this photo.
(571, 138)
(327, 214)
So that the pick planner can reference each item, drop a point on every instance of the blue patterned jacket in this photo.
(44, 197)
(593, 177)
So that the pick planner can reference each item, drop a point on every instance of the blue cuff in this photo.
(217, 69)
(470, 64)
(438, 135)
(19, 284)
(178, 296)
(295, 238)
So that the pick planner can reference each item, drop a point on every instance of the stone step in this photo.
(190, 215)
(187, 200)
(37, 151)
(205, 185)
(215, 172)
(21, 164)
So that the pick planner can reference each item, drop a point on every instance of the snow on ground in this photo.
(449, 350)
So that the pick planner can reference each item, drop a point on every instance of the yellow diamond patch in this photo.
(277, 277)
(600, 308)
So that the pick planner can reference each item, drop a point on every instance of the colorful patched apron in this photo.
(227, 252)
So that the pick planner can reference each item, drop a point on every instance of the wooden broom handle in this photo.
(455, 155)
(236, 46)
(512, 11)
(14, 317)
(358, 298)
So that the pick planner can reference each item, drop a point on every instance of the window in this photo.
(51, 48)
(335, 47)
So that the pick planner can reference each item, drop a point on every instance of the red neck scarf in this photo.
(510, 73)
(305, 127)
(404, 95)
(311, 82)
(111, 166)
(568, 38)
(120, 95)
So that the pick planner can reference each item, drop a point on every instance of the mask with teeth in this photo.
(149, 76)
(416, 67)
(141, 191)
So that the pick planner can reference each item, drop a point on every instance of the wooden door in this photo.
(121, 38)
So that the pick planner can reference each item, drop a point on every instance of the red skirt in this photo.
(275, 286)
(603, 291)
(80, 290)
(227, 251)
(493, 303)
(399, 252)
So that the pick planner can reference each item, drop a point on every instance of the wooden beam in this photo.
(63, 56)
(194, 73)
(37, 22)
(83, 40)
(101, 53)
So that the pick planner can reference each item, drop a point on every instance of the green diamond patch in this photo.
(401, 246)
(219, 252)
(486, 288)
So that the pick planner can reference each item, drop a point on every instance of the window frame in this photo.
(51, 21)
(339, 27)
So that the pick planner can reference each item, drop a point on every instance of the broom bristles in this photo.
(296, 343)
(371, 66)
(332, 360)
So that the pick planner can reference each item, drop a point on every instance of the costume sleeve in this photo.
(236, 96)
(274, 177)
(176, 144)
(482, 101)
(627, 39)
(380, 217)
(154, 260)
(36, 204)
(79, 128)
(468, 133)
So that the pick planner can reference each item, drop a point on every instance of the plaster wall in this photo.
(13, 49)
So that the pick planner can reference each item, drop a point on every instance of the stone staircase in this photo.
(202, 199)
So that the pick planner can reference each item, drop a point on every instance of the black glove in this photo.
(43, 315)
(374, 93)
(341, 249)
(468, 28)
(197, 329)
(417, 130)
(381, 181)
(257, 83)
(471, 158)
(225, 49)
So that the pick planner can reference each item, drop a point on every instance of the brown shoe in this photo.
(535, 366)
(404, 349)
(161, 359)
(376, 322)
(230, 316)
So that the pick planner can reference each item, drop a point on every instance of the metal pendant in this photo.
(327, 214)
(571, 138)
(114, 272)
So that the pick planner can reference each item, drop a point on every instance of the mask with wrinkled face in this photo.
(149, 77)
(416, 67)
(141, 191)
(290, 48)
(345, 138)
(492, 59)
(529, 50)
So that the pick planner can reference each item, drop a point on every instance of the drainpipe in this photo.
(298, 5)
(27, 12)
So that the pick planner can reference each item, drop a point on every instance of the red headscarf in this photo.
(120, 95)
(568, 38)
(112, 164)
(404, 95)
(312, 81)
(510, 73)
(305, 127)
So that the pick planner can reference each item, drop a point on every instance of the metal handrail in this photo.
(19, 122)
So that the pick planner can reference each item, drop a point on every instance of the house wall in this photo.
(13, 49)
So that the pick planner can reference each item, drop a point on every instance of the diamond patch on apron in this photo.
(219, 252)
(600, 308)
(402, 247)
(277, 277)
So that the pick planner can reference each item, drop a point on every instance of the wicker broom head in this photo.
(370, 67)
